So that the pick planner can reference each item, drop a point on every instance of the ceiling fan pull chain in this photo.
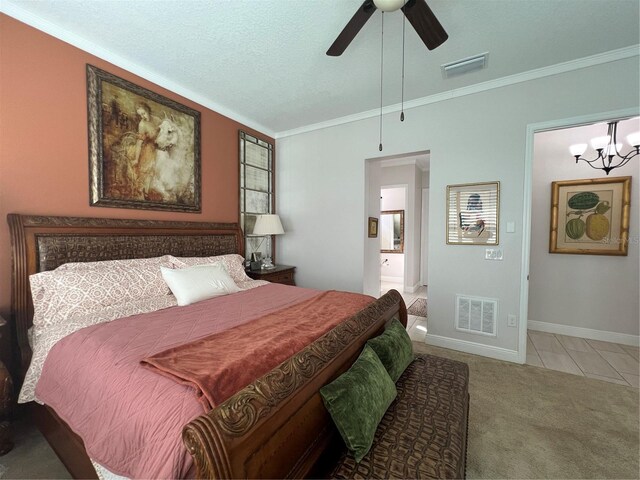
(404, 21)
(381, 70)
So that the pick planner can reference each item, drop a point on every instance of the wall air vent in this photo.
(466, 65)
(476, 314)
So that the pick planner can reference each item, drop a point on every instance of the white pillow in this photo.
(234, 264)
(193, 284)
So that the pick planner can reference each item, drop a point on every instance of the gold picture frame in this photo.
(473, 214)
(373, 227)
(144, 148)
(590, 216)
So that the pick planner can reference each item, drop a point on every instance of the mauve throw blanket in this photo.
(219, 365)
(129, 417)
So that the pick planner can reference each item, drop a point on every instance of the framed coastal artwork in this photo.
(590, 216)
(473, 211)
(144, 148)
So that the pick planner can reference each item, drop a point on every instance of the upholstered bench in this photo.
(424, 432)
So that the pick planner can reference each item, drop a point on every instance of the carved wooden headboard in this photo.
(41, 243)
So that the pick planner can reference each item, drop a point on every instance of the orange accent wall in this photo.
(44, 165)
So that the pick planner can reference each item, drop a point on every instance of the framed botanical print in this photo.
(473, 213)
(590, 216)
(144, 148)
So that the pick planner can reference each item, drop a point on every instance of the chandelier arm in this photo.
(631, 154)
(624, 162)
(608, 152)
(590, 161)
(614, 137)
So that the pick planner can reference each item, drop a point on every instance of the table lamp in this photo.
(268, 224)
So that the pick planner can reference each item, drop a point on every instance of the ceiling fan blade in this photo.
(352, 28)
(425, 23)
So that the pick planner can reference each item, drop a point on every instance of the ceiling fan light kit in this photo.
(608, 150)
(417, 12)
(389, 5)
(419, 15)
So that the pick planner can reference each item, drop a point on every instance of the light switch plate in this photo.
(493, 254)
(511, 227)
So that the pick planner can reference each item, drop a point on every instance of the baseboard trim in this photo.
(386, 278)
(466, 346)
(412, 289)
(590, 333)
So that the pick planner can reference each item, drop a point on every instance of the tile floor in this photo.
(606, 361)
(416, 326)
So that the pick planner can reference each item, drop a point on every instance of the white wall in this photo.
(587, 291)
(474, 138)
(394, 198)
(424, 237)
(392, 264)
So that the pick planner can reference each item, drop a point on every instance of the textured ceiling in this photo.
(265, 59)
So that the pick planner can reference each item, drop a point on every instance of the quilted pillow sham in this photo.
(129, 263)
(233, 263)
(60, 294)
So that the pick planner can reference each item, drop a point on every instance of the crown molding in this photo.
(585, 62)
(82, 43)
(66, 36)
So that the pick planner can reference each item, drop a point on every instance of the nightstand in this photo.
(6, 386)
(283, 274)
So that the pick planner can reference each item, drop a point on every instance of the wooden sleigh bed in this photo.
(276, 427)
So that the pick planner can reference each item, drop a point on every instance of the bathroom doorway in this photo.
(393, 206)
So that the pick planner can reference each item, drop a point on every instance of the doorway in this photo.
(393, 207)
(536, 244)
(411, 171)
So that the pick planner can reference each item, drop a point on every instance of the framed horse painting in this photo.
(144, 148)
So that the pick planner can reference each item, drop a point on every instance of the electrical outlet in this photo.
(512, 320)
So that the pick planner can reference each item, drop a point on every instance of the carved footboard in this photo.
(277, 427)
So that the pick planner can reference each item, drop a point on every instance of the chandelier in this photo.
(608, 150)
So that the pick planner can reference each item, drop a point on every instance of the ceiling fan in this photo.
(417, 12)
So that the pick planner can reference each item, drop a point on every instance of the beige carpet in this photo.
(524, 422)
(530, 422)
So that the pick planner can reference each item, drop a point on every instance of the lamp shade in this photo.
(268, 225)
(578, 149)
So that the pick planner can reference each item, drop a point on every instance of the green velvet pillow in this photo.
(394, 349)
(358, 399)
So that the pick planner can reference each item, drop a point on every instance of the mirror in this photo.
(392, 231)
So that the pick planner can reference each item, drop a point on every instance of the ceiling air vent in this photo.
(466, 65)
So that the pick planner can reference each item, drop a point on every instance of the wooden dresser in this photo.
(280, 274)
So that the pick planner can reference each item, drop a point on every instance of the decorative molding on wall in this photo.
(498, 353)
(82, 43)
(60, 33)
(598, 59)
(590, 333)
